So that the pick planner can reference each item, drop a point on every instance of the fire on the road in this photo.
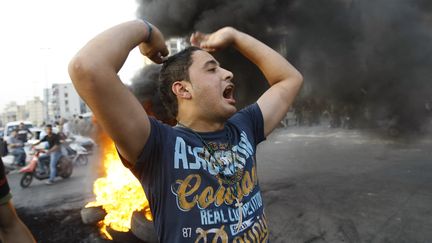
(119, 192)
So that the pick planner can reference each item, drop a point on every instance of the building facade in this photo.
(13, 112)
(174, 45)
(35, 111)
(65, 102)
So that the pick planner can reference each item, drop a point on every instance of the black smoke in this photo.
(144, 83)
(145, 88)
(374, 57)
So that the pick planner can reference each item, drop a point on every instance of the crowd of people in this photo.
(12, 229)
(77, 125)
(16, 142)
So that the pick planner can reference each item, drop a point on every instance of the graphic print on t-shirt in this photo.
(192, 198)
(218, 208)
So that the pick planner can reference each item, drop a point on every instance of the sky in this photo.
(38, 39)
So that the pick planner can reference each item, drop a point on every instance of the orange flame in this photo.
(119, 192)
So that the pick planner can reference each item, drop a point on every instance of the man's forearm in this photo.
(93, 71)
(274, 67)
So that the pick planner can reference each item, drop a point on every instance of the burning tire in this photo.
(26, 179)
(142, 228)
(121, 237)
(92, 215)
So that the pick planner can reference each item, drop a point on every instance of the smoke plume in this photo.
(145, 88)
(371, 56)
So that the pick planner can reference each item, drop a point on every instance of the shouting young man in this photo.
(199, 176)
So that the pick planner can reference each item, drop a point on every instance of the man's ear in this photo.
(181, 89)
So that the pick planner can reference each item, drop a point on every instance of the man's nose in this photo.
(228, 75)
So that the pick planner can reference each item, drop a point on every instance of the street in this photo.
(319, 185)
(337, 185)
(64, 194)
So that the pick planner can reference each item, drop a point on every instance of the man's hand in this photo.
(156, 48)
(214, 41)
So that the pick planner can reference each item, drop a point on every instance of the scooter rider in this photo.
(24, 133)
(53, 152)
(16, 148)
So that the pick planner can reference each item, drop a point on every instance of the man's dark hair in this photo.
(48, 126)
(175, 68)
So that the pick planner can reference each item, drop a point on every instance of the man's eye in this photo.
(212, 70)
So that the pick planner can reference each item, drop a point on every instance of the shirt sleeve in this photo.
(148, 164)
(57, 139)
(251, 117)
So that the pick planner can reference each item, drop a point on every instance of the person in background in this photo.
(53, 152)
(145, 88)
(82, 126)
(65, 127)
(24, 133)
(16, 148)
(12, 229)
(74, 124)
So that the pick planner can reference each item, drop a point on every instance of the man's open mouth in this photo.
(229, 92)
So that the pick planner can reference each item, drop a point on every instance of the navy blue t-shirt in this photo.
(191, 199)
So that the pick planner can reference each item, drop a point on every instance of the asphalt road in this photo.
(324, 185)
(319, 185)
(68, 193)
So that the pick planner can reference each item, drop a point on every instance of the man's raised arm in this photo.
(94, 74)
(284, 79)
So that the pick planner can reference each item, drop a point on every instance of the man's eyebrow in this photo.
(210, 62)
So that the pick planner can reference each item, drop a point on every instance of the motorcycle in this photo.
(64, 168)
(87, 143)
(76, 152)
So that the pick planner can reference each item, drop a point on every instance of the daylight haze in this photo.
(40, 37)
